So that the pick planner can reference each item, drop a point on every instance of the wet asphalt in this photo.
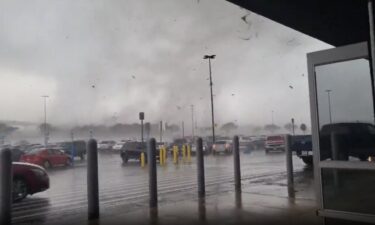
(125, 186)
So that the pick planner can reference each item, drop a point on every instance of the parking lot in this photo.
(125, 187)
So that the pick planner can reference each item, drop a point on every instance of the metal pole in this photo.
(237, 165)
(335, 147)
(45, 120)
(289, 165)
(142, 131)
(329, 105)
(6, 179)
(200, 169)
(183, 129)
(153, 189)
(192, 121)
(372, 42)
(212, 102)
(92, 179)
(272, 117)
(293, 126)
(161, 131)
(73, 148)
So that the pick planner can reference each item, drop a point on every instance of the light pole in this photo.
(45, 120)
(272, 117)
(329, 105)
(209, 57)
(192, 121)
(141, 118)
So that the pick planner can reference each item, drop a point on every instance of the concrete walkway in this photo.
(261, 202)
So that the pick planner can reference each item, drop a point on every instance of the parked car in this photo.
(302, 145)
(223, 146)
(275, 143)
(78, 148)
(179, 142)
(353, 139)
(106, 145)
(119, 145)
(194, 149)
(47, 158)
(134, 149)
(28, 179)
(16, 154)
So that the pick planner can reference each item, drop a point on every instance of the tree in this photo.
(303, 127)
(228, 127)
(271, 127)
(289, 127)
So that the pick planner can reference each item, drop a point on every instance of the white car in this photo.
(194, 149)
(118, 146)
(106, 145)
(224, 146)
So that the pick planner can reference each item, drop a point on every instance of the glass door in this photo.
(343, 129)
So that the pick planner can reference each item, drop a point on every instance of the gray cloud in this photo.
(65, 47)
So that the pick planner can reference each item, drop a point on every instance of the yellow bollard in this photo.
(164, 155)
(175, 151)
(161, 154)
(189, 153)
(183, 153)
(142, 159)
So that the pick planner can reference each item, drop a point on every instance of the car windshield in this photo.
(35, 151)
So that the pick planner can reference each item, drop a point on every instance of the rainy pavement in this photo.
(125, 187)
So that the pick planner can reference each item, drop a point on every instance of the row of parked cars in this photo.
(29, 164)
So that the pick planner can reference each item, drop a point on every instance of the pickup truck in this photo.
(353, 139)
(302, 145)
(274, 143)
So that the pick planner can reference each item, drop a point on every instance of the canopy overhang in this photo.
(336, 22)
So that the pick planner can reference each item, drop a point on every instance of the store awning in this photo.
(336, 22)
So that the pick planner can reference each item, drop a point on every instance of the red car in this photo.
(28, 179)
(47, 157)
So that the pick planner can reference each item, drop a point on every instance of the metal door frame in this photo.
(329, 56)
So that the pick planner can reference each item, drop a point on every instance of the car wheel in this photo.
(125, 158)
(68, 162)
(19, 190)
(46, 165)
(308, 160)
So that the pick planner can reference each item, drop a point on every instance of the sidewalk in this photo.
(262, 202)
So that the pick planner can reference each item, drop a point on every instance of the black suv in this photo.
(134, 149)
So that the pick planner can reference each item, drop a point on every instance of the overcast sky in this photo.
(104, 61)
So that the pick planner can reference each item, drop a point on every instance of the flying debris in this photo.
(244, 18)
(303, 74)
(133, 77)
(290, 86)
(246, 39)
(93, 86)
(178, 107)
(233, 94)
